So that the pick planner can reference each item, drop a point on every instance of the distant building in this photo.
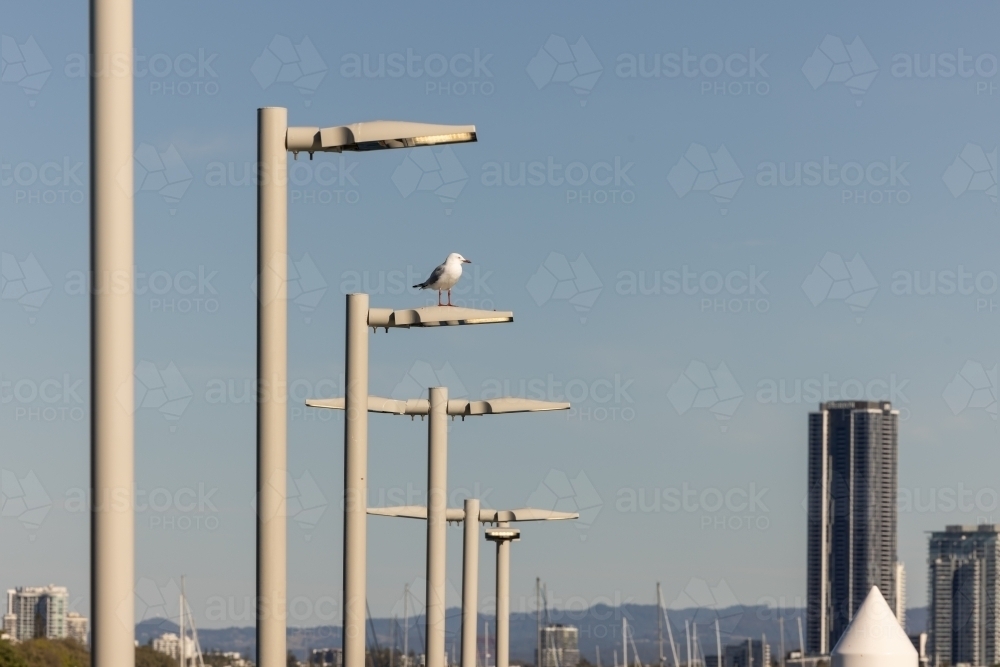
(560, 646)
(749, 653)
(964, 623)
(170, 644)
(899, 599)
(326, 657)
(36, 612)
(851, 529)
(77, 627)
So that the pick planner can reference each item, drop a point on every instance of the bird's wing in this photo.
(435, 275)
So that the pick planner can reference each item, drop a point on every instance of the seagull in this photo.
(445, 276)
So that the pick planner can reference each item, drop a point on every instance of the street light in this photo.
(359, 318)
(503, 536)
(470, 564)
(112, 335)
(438, 408)
(275, 139)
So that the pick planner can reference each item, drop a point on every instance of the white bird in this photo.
(445, 276)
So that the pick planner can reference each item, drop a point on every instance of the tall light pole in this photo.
(470, 583)
(112, 336)
(503, 536)
(437, 407)
(275, 139)
(470, 556)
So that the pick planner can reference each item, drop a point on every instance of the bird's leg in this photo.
(439, 297)
(449, 297)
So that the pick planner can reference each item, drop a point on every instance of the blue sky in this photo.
(666, 269)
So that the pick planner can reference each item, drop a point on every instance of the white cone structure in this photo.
(874, 638)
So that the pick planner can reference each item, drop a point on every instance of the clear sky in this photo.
(707, 217)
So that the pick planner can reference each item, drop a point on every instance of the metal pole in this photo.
(272, 381)
(659, 626)
(437, 498)
(112, 335)
(406, 626)
(356, 480)
(538, 621)
(182, 658)
(470, 583)
(625, 641)
(503, 601)
(718, 645)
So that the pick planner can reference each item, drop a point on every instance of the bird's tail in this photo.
(420, 286)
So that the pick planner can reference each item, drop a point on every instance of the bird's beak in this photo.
(465, 261)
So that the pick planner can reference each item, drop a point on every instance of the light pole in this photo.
(470, 582)
(437, 407)
(275, 139)
(503, 536)
(112, 335)
(470, 557)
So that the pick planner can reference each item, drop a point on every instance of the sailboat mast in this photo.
(624, 641)
(538, 621)
(659, 624)
(182, 648)
(687, 636)
(718, 644)
(406, 625)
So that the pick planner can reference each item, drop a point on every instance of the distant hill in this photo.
(600, 626)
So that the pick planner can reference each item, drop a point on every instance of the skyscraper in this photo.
(852, 478)
(37, 611)
(964, 595)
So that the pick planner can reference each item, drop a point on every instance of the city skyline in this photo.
(693, 269)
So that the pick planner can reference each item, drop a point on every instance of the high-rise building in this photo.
(899, 598)
(170, 644)
(964, 592)
(560, 646)
(36, 611)
(76, 627)
(852, 494)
